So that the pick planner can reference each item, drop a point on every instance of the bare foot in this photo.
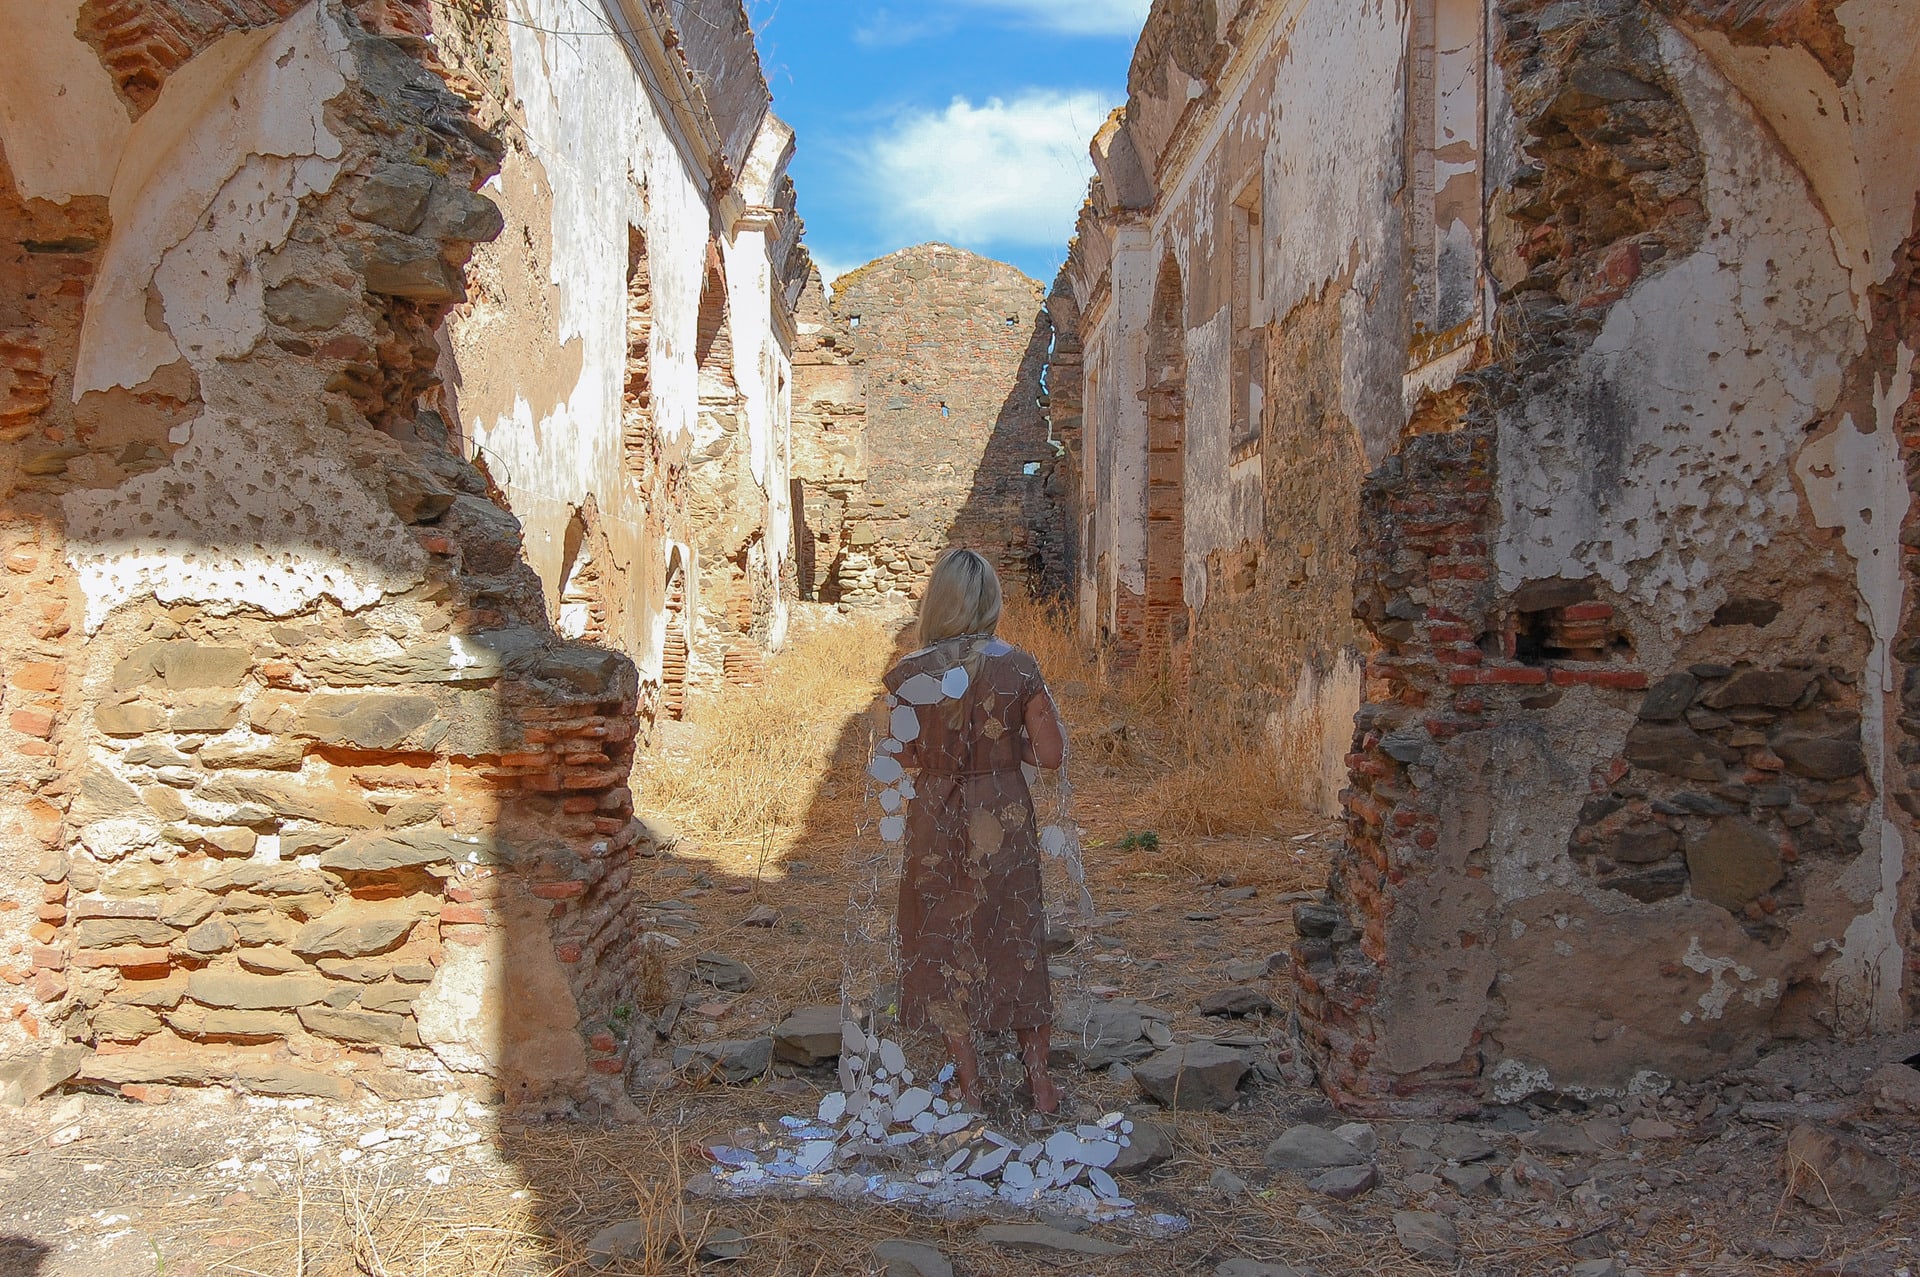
(1046, 1095)
(966, 1069)
(1035, 1047)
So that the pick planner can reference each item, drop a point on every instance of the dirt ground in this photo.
(764, 810)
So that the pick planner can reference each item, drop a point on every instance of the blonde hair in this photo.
(963, 597)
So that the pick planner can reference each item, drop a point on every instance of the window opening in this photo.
(1249, 342)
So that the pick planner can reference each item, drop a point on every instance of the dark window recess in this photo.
(1578, 632)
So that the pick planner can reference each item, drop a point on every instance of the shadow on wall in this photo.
(1015, 510)
(309, 798)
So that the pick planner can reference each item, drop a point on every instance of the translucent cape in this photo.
(945, 692)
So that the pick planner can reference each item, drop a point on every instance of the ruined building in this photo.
(1536, 380)
(372, 470)
(926, 425)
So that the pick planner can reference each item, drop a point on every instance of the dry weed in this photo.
(762, 753)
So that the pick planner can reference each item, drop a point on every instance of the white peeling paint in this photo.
(267, 524)
(1856, 481)
(56, 155)
(1744, 985)
(1691, 402)
(208, 181)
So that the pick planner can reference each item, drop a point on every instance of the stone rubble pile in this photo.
(891, 1136)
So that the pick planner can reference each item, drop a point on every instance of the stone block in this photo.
(239, 990)
(293, 798)
(417, 497)
(1200, 1075)
(150, 993)
(454, 212)
(205, 714)
(263, 928)
(186, 908)
(1733, 863)
(25, 1078)
(354, 931)
(173, 1067)
(118, 836)
(128, 718)
(182, 664)
(1821, 759)
(106, 933)
(374, 1027)
(271, 960)
(307, 308)
(410, 849)
(808, 1037)
(193, 1021)
(413, 269)
(1668, 699)
(390, 995)
(1311, 1148)
(1772, 689)
(269, 753)
(453, 658)
(395, 196)
(367, 720)
(123, 1023)
(285, 1079)
(1678, 751)
(272, 878)
(732, 1062)
(215, 935)
(1839, 1173)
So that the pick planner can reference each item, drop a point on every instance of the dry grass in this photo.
(761, 754)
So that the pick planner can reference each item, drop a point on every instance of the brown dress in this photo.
(971, 921)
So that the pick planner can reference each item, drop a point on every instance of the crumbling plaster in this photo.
(201, 189)
(1696, 392)
(553, 457)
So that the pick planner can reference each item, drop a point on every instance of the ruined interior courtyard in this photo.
(1457, 487)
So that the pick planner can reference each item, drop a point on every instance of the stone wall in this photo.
(953, 349)
(1629, 794)
(829, 438)
(303, 792)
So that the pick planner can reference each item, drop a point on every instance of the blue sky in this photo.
(965, 121)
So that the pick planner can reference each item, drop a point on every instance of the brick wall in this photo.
(953, 347)
(309, 848)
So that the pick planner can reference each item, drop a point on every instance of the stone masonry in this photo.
(304, 792)
(1537, 377)
(953, 349)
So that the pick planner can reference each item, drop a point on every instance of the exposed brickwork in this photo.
(257, 840)
(953, 347)
(1426, 514)
(143, 42)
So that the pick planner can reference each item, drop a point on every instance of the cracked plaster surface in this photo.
(210, 182)
(1677, 462)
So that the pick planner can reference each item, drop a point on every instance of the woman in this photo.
(965, 712)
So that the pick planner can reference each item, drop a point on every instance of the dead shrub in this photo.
(762, 753)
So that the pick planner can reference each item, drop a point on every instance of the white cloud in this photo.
(1006, 172)
(1071, 17)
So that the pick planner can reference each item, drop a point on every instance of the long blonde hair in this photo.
(963, 597)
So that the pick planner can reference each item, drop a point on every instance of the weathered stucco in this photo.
(1588, 343)
(307, 786)
(562, 442)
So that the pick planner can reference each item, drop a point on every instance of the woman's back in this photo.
(969, 697)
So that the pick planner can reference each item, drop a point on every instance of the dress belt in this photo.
(985, 771)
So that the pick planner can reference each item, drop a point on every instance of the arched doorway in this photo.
(676, 653)
(1165, 612)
